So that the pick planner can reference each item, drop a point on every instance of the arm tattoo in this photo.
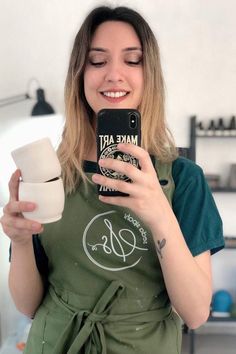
(159, 246)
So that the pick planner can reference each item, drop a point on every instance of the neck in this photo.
(92, 155)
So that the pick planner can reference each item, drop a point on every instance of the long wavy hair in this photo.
(78, 134)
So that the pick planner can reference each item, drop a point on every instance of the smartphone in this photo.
(116, 126)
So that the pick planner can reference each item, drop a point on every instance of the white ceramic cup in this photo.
(49, 197)
(37, 161)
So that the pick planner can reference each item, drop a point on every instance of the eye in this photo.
(134, 62)
(97, 64)
(133, 59)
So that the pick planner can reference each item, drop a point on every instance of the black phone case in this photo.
(114, 126)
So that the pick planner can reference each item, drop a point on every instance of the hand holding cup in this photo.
(15, 226)
(41, 182)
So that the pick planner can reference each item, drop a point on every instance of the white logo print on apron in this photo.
(113, 245)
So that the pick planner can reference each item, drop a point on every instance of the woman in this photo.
(112, 274)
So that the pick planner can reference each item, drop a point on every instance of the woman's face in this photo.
(113, 76)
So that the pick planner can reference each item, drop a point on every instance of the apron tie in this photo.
(85, 328)
(87, 325)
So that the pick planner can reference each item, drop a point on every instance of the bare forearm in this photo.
(25, 282)
(188, 286)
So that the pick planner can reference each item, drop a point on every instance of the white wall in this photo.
(197, 40)
(198, 47)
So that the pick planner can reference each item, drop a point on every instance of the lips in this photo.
(114, 95)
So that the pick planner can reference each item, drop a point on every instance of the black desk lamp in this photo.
(40, 108)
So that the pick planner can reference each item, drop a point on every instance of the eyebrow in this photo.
(104, 50)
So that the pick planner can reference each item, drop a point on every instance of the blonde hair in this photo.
(78, 134)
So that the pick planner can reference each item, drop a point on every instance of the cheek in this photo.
(139, 83)
(138, 79)
(92, 82)
(87, 82)
(91, 87)
(142, 80)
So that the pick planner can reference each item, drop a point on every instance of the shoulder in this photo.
(183, 167)
(186, 174)
(195, 208)
(180, 168)
(189, 181)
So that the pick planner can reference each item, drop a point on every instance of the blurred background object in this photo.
(41, 107)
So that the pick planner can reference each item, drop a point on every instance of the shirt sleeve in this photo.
(195, 208)
(40, 255)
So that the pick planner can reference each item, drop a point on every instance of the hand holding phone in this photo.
(116, 126)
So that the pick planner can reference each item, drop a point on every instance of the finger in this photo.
(112, 200)
(125, 168)
(20, 224)
(116, 184)
(26, 224)
(13, 234)
(16, 233)
(14, 185)
(18, 207)
(140, 154)
(124, 202)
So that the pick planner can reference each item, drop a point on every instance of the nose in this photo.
(114, 72)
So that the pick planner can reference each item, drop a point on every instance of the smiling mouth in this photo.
(117, 94)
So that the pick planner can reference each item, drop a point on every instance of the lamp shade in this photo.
(41, 107)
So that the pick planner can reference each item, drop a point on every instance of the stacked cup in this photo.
(41, 182)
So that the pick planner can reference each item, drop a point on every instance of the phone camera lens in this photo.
(133, 121)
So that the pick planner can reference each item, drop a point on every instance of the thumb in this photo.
(14, 185)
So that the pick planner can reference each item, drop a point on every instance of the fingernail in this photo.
(30, 206)
(101, 162)
(35, 226)
(121, 145)
(95, 178)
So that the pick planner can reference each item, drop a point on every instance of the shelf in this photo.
(221, 319)
(223, 190)
(215, 136)
(230, 242)
(194, 135)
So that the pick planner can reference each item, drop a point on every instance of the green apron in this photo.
(106, 291)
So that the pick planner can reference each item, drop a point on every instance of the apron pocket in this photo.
(45, 331)
(35, 342)
(162, 337)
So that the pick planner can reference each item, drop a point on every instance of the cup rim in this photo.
(33, 143)
(36, 184)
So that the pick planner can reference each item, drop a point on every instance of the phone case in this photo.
(116, 126)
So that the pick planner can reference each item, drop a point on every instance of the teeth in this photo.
(114, 94)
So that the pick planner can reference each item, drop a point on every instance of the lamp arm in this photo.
(13, 99)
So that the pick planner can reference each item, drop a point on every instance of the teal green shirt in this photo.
(195, 208)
